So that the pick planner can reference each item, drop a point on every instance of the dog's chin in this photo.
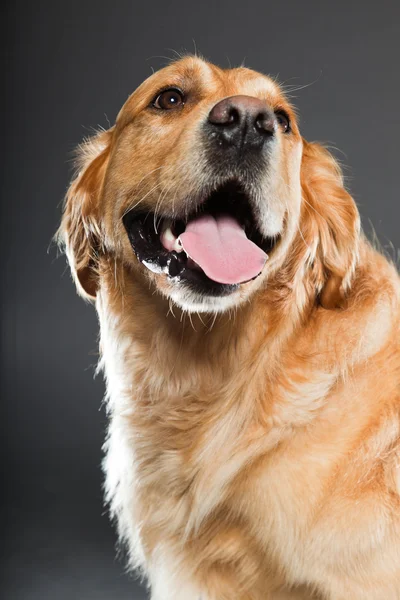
(200, 286)
(189, 300)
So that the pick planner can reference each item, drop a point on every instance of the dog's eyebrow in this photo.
(197, 71)
(261, 86)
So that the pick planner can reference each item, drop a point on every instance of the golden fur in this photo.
(253, 449)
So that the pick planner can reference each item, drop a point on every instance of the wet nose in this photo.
(242, 121)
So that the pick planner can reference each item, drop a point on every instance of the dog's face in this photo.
(197, 187)
(215, 154)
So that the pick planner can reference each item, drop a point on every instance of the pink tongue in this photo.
(220, 247)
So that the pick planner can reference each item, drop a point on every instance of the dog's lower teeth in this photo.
(169, 240)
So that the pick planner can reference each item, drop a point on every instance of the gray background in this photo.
(69, 67)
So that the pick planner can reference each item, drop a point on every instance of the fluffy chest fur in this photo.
(228, 443)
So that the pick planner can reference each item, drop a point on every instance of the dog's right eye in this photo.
(169, 99)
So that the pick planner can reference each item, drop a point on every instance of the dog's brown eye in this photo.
(169, 99)
(283, 120)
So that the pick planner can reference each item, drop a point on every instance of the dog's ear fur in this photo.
(79, 232)
(331, 223)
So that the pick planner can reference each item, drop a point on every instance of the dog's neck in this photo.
(182, 347)
(148, 343)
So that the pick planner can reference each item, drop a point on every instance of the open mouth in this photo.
(215, 249)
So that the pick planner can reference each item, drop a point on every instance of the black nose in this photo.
(242, 121)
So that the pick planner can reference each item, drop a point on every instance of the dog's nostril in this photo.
(266, 123)
(234, 116)
(224, 114)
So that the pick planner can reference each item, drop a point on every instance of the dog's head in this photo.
(205, 187)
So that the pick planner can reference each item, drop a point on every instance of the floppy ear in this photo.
(331, 220)
(79, 232)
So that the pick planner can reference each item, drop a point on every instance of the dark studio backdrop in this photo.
(69, 66)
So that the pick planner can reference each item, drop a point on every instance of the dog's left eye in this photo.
(169, 99)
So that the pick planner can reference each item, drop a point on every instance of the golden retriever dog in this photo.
(249, 336)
